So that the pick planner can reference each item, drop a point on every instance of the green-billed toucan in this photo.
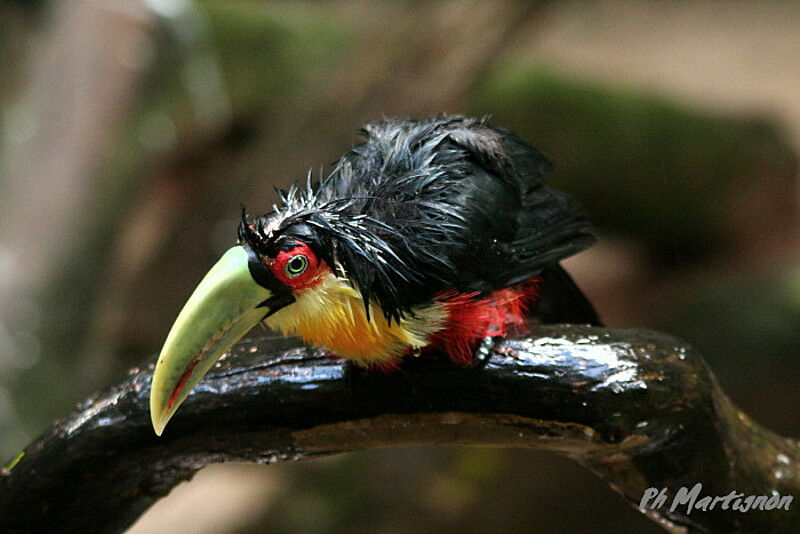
(432, 235)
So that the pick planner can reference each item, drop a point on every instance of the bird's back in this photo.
(463, 203)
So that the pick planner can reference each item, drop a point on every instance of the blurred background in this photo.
(131, 131)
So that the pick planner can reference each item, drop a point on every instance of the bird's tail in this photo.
(562, 301)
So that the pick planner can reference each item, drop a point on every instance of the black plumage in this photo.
(425, 206)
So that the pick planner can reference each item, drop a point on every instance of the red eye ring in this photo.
(297, 267)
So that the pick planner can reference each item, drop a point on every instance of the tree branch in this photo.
(638, 408)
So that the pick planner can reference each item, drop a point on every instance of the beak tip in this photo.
(159, 417)
(158, 424)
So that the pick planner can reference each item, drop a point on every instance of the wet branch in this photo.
(640, 409)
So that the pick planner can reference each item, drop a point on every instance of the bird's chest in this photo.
(332, 315)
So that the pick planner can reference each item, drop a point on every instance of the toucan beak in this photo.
(224, 307)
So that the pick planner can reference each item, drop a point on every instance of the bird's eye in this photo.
(296, 266)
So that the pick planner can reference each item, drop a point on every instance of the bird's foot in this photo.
(483, 353)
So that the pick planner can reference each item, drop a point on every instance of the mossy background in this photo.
(131, 133)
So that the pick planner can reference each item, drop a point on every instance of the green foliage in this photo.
(644, 166)
(268, 50)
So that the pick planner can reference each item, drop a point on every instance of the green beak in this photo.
(224, 307)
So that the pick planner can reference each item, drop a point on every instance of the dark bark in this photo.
(638, 408)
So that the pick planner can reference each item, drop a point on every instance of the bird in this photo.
(431, 236)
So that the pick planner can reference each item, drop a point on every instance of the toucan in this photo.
(431, 236)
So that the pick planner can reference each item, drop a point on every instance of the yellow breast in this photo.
(331, 315)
